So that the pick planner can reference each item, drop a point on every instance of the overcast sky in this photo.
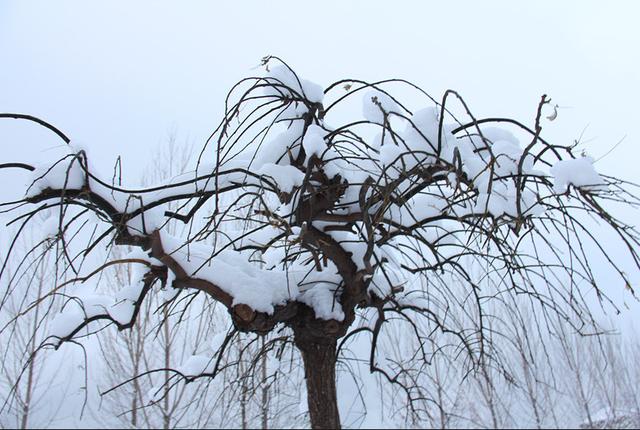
(119, 76)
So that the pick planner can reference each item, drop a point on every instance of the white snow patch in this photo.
(197, 365)
(313, 141)
(283, 76)
(285, 177)
(375, 104)
(323, 299)
(231, 271)
(578, 172)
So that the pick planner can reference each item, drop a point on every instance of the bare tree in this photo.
(346, 214)
(604, 382)
(31, 380)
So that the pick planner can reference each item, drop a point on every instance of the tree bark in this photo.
(320, 373)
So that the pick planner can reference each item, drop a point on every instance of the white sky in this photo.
(118, 76)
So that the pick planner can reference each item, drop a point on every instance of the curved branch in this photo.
(43, 123)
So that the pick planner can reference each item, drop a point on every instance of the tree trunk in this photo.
(320, 374)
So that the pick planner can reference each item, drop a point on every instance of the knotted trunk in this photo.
(320, 373)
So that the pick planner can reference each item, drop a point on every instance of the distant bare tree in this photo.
(29, 380)
(610, 371)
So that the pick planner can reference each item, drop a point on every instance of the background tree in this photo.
(429, 221)
(26, 374)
